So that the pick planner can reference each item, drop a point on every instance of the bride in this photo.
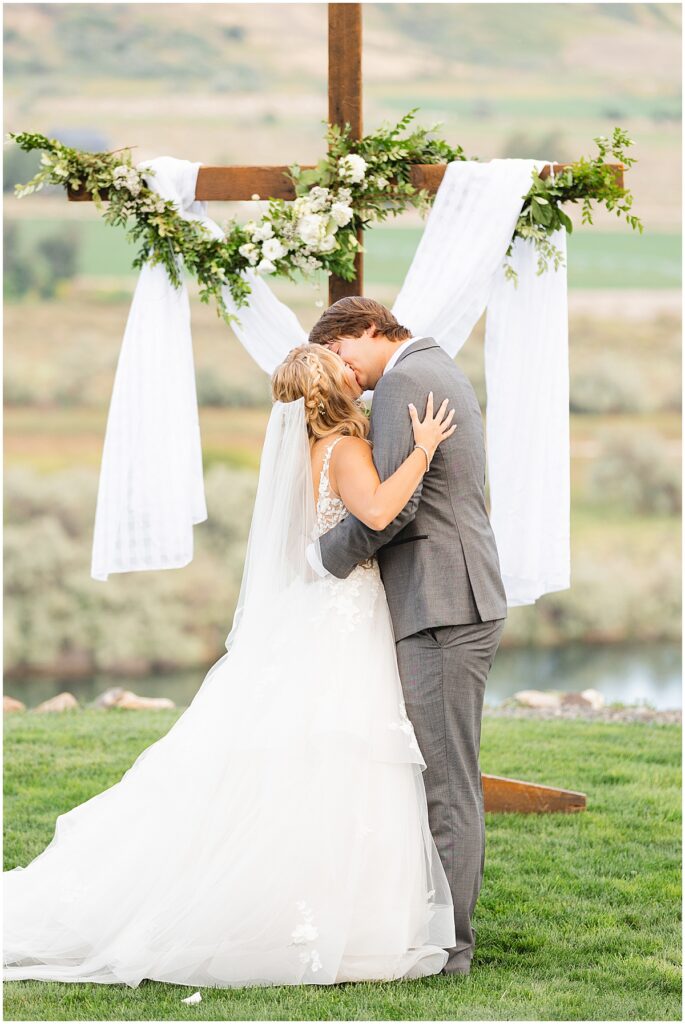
(278, 833)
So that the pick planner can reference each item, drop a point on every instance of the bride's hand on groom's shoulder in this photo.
(434, 428)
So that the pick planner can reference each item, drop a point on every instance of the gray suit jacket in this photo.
(438, 558)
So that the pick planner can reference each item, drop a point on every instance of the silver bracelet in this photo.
(425, 452)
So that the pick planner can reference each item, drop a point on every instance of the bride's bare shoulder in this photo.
(351, 450)
(349, 445)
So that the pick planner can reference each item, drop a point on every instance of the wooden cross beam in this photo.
(240, 182)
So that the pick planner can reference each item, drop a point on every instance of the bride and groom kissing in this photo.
(315, 815)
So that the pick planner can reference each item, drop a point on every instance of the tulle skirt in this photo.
(276, 835)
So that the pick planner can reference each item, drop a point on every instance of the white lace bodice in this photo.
(330, 509)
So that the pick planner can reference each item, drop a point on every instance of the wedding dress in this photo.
(278, 833)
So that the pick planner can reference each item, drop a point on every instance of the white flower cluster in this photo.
(352, 167)
(301, 230)
(152, 203)
(127, 177)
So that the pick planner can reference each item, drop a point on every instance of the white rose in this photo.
(318, 197)
(265, 267)
(250, 227)
(273, 249)
(327, 243)
(352, 167)
(263, 232)
(382, 182)
(301, 206)
(311, 228)
(249, 251)
(341, 214)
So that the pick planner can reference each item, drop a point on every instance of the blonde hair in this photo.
(316, 374)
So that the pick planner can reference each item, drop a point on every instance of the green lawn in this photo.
(578, 918)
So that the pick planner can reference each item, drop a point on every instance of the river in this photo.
(638, 674)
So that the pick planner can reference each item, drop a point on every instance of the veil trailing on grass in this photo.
(151, 490)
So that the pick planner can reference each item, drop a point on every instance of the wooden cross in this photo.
(240, 182)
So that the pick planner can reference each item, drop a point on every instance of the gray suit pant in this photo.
(444, 671)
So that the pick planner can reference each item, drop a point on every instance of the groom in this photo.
(441, 573)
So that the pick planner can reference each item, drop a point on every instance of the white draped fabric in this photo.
(151, 491)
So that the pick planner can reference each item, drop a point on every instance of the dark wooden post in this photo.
(345, 104)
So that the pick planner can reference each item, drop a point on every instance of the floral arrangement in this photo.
(358, 183)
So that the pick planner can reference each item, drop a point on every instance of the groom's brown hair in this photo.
(351, 316)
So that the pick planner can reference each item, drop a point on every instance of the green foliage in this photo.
(389, 154)
(367, 179)
(541, 214)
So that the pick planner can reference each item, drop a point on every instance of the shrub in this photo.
(608, 385)
(638, 472)
(42, 267)
(133, 622)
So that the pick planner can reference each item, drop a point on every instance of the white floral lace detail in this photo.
(355, 596)
(405, 726)
(305, 933)
(330, 509)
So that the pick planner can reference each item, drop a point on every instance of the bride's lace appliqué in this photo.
(304, 934)
(330, 509)
(355, 595)
(404, 725)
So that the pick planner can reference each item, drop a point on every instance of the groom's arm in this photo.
(351, 541)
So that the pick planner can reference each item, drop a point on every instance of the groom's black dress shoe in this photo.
(458, 965)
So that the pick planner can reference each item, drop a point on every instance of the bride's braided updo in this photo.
(316, 374)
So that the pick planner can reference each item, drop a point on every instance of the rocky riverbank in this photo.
(609, 713)
(542, 704)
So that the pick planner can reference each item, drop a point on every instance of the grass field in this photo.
(578, 917)
(596, 259)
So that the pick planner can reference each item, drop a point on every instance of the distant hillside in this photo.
(246, 83)
(249, 46)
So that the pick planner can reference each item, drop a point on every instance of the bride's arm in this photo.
(354, 477)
